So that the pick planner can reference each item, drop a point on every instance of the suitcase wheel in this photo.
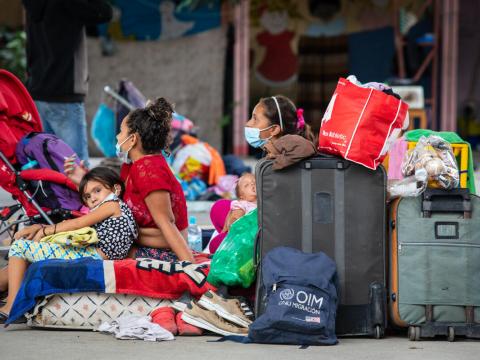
(379, 332)
(451, 334)
(414, 333)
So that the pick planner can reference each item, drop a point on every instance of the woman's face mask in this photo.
(252, 135)
(123, 155)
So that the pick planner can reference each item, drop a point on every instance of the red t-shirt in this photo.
(151, 173)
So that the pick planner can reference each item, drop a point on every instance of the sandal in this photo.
(4, 318)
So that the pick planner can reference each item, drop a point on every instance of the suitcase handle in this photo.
(437, 200)
(329, 162)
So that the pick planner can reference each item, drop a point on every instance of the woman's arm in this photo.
(103, 212)
(159, 205)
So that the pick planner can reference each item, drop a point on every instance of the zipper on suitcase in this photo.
(438, 244)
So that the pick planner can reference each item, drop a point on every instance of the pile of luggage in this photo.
(414, 260)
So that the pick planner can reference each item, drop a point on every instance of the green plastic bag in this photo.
(232, 263)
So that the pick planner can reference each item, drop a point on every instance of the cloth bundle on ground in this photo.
(288, 150)
(136, 327)
(145, 277)
(78, 238)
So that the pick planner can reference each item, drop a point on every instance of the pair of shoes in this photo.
(4, 318)
(211, 321)
(167, 319)
(230, 309)
(222, 291)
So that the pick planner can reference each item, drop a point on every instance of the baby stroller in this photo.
(19, 117)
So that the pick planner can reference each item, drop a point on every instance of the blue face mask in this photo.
(252, 135)
(123, 155)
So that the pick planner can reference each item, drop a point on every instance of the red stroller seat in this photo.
(18, 117)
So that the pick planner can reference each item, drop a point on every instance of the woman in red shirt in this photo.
(151, 190)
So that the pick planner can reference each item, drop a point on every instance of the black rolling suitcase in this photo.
(332, 205)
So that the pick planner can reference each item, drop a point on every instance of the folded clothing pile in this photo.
(136, 327)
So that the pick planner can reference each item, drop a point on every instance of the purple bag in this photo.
(49, 152)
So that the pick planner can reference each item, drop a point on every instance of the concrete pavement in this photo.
(21, 343)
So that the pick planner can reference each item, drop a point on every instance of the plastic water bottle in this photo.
(194, 235)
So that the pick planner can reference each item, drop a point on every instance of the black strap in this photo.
(234, 338)
(49, 159)
(255, 251)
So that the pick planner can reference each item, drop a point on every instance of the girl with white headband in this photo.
(274, 117)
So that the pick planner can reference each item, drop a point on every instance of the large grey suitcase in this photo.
(332, 205)
(435, 264)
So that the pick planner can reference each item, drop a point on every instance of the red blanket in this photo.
(154, 278)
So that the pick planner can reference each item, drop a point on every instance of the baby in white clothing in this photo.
(246, 200)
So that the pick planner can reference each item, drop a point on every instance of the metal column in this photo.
(241, 76)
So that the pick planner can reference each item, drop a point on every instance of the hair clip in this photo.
(300, 119)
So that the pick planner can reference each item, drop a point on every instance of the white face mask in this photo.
(110, 197)
(123, 155)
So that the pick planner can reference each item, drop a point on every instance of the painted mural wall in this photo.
(279, 26)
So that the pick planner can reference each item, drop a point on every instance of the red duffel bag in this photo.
(361, 123)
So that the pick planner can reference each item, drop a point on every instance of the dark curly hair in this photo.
(152, 124)
(289, 116)
(103, 175)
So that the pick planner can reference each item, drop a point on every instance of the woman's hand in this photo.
(28, 232)
(73, 171)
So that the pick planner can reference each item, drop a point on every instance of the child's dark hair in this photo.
(103, 175)
(152, 124)
(289, 116)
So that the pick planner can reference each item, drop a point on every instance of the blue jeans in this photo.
(67, 121)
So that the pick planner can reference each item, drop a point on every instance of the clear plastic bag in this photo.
(430, 164)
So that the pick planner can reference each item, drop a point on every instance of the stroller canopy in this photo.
(18, 113)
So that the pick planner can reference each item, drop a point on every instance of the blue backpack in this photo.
(301, 299)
